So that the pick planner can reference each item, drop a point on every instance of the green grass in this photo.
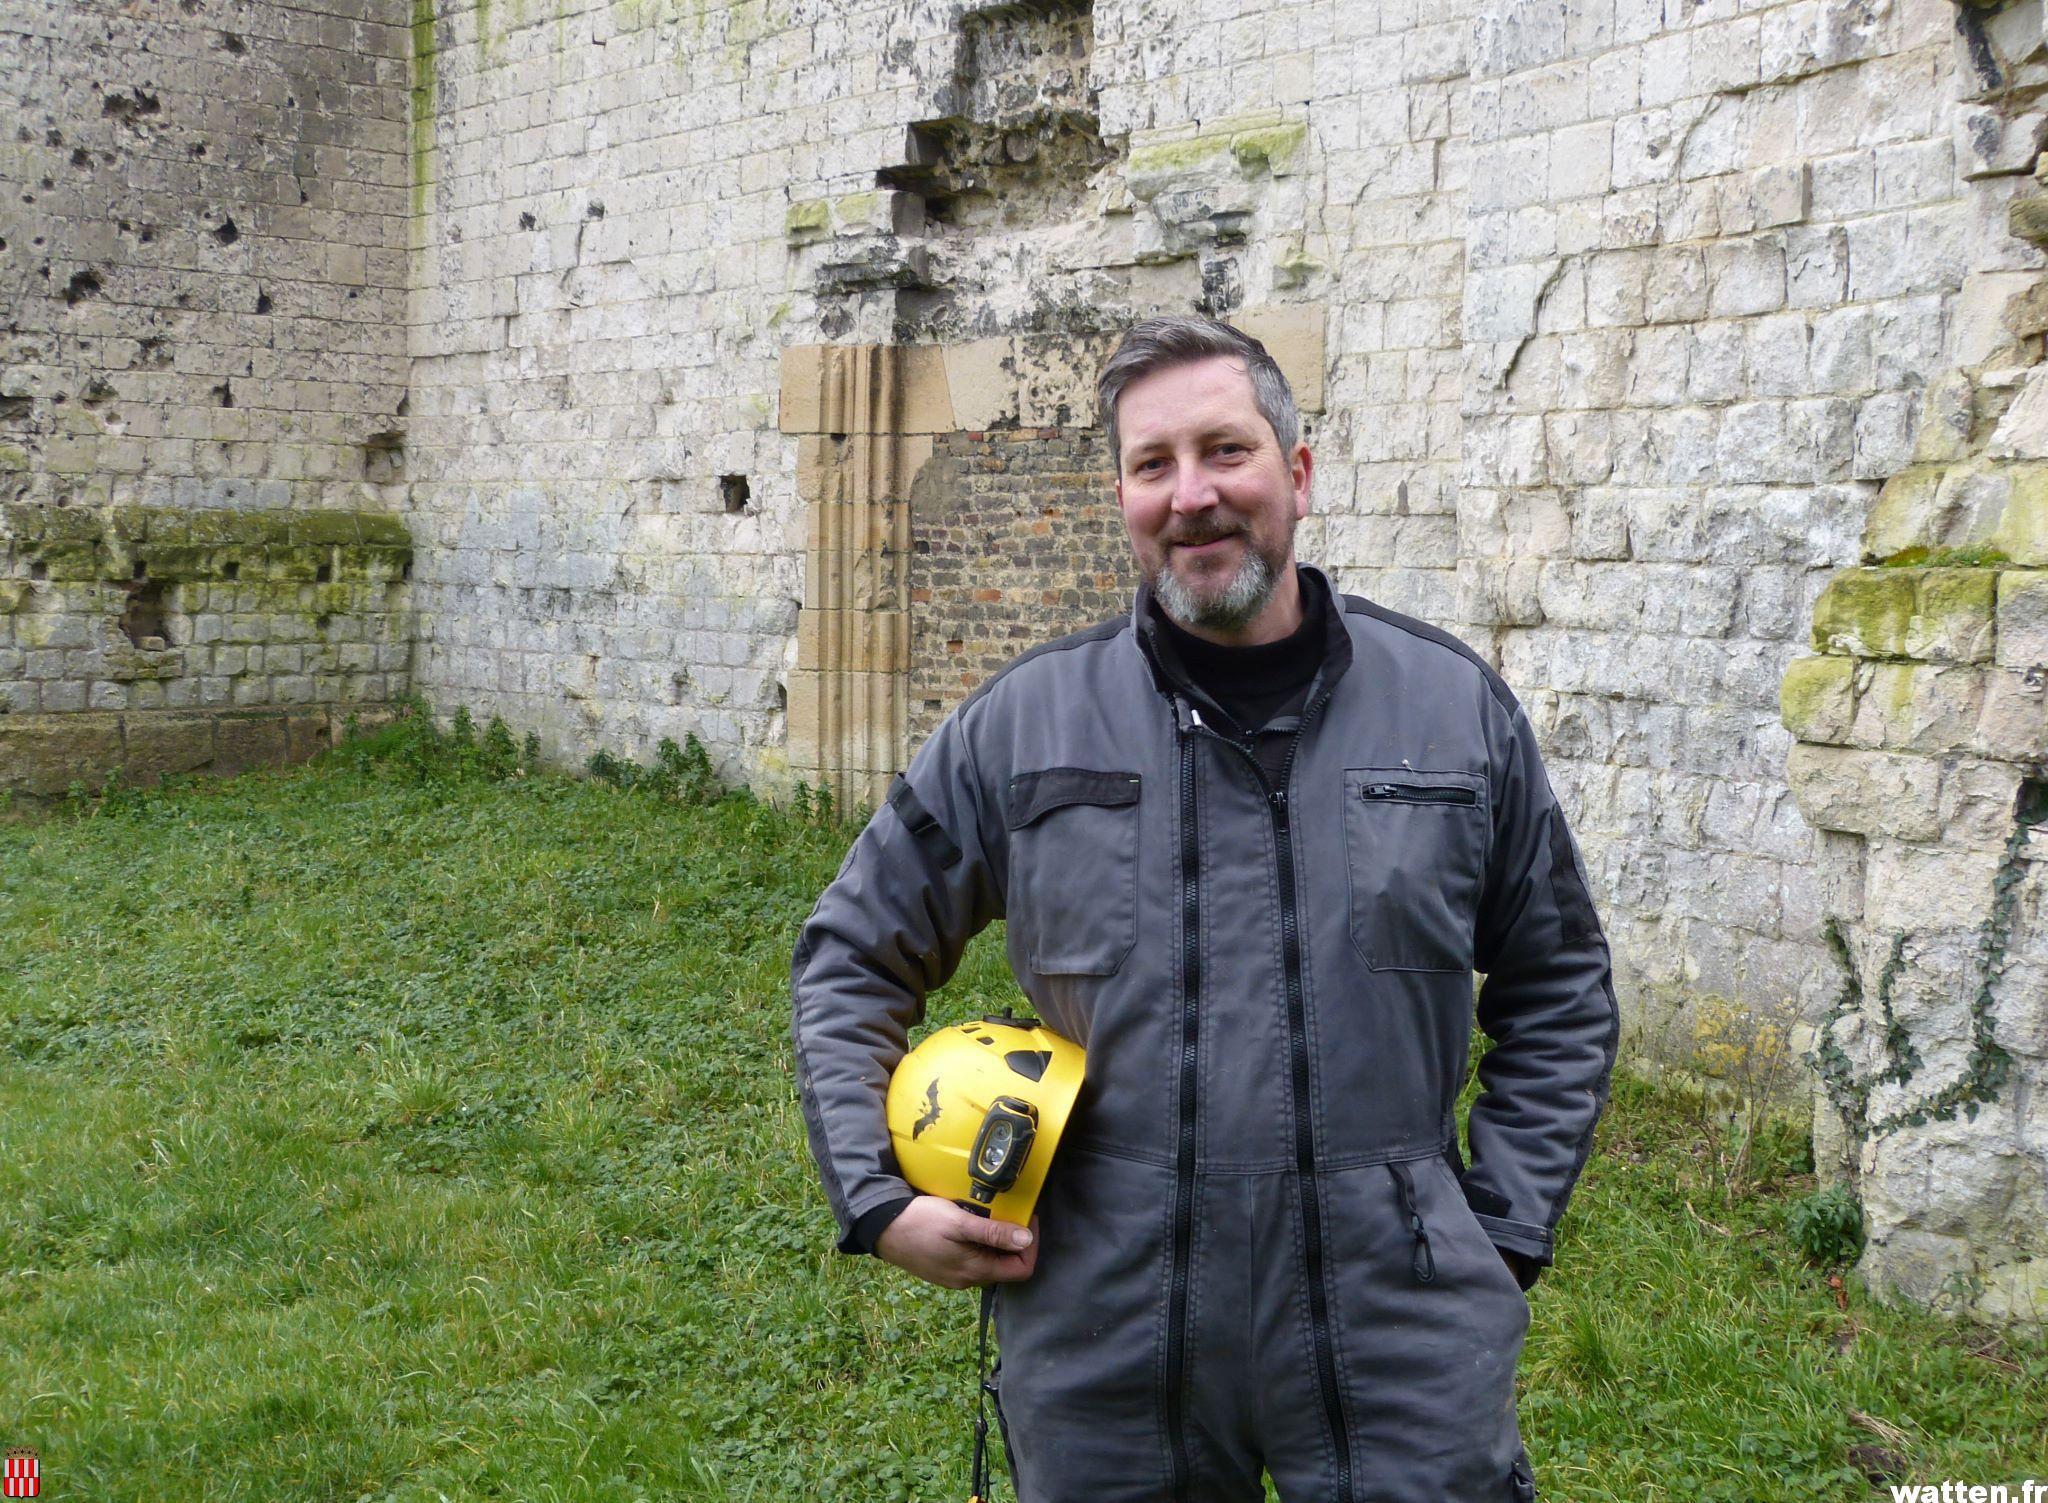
(370, 1133)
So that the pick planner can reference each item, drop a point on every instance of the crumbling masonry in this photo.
(634, 368)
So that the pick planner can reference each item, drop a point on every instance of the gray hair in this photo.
(1181, 339)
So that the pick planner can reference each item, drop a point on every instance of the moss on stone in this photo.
(1273, 149)
(78, 545)
(319, 527)
(13, 457)
(1944, 593)
(70, 563)
(1160, 159)
(1953, 610)
(248, 529)
(2023, 530)
(1904, 511)
(807, 219)
(1865, 612)
(1816, 698)
(1975, 556)
(854, 209)
(379, 529)
(1296, 268)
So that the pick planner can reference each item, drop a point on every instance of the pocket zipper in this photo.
(1417, 793)
(1423, 1264)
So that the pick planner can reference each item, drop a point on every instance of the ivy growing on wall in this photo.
(1989, 1066)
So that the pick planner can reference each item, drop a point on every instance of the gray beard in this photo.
(1236, 608)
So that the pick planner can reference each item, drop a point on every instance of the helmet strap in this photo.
(983, 1391)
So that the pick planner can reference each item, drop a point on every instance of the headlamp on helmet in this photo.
(976, 1110)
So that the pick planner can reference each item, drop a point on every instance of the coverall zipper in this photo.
(1416, 793)
(1423, 1264)
(1184, 1173)
(1304, 1127)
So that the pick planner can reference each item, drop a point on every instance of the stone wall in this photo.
(1708, 274)
(202, 374)
(611, 549)
(171, 615)
(1922, 755)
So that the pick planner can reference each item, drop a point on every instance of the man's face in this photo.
(1209, 500)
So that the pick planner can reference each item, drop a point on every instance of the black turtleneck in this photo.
(1257, 685)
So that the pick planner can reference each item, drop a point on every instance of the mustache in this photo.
(1193, 535)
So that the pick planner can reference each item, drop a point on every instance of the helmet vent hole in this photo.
(1029, 1063)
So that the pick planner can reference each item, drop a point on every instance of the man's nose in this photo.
(1192, 489)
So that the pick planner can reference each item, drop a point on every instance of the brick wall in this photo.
(1015, 540)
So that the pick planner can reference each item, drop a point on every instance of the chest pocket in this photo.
(1415, 844)
(1074, 867)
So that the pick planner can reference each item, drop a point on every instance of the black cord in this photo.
(982, 1390)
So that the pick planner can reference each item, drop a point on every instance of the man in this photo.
(1251, 842)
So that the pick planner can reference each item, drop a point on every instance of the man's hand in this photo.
(955, 1249)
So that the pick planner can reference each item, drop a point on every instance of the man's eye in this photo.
(1230, 449)
(1145, 465)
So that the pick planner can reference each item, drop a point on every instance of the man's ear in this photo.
(1301, 469)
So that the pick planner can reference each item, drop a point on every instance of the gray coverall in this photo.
(1259, 1245)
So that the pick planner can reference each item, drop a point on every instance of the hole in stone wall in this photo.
(142, 619)
(1019, 148)
(406, 571)
(83, 284)
(231, 571)
(130, 107)
(39, 570)
(141, 569)
(226, 232)
(1026, 124)
(263, 303)
(384, 457)
(734, 492)
(324, 574)
(2031, 807)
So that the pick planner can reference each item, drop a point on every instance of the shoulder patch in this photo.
(924, 828)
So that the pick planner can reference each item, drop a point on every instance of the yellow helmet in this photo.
(976, 1110)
